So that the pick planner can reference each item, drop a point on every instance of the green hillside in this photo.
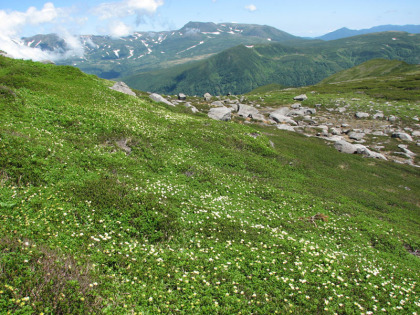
(240, 69)
(373, 69)
(115, 204)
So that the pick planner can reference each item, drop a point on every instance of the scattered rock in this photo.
(182, 97)
(415, 133)
(402, 135)
(220, 113)
(296, 106)
(159, 98)
(207, 97)
(392, 118)
(193, 108)
(300, 98)
(217, 104)
(282, 119)
(123, 88)
(346, 147)
(378, 115)
(361, 115)
(247, 111)
(356, 135)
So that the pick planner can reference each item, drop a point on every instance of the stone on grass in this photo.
(220, 113)
(123, 88)
(159, 98)
(402, 135)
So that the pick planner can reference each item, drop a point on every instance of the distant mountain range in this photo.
(345, 32)
(243, 68)
(229, 57)
(112, 58)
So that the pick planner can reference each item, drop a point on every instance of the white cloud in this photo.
(124, 8)
(251, 7)
(119, 29)
(12, 24)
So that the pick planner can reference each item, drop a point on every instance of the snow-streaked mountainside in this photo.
(111, 57)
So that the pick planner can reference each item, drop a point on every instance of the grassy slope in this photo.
(200, 217)
(239, 70)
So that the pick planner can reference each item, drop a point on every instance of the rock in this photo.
(259, 117)
(207, 97)
(341, 109)
(220, 113)
(356, 135)
(282, 119)
(402, 135)
(182, 97)
(193, 108)
(335, 131)
(247, 111)
(416, 133)
(159, 98)
(309, 111)
(282, 111)
(285, 127)
(346, 147)
(217, 104)
(392, 118)
(123, 88)
(371, 154)
(362, 115)
(378, 133)
(296, 106)
(47, 62)
(300, 98)
(378, 115)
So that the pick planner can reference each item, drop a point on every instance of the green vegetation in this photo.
(200, 217)
(299, 63)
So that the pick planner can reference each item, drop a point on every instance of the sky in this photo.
(122, 17)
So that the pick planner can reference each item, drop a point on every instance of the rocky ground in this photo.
(370, 133)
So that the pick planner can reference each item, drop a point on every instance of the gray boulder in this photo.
(247, 111)
(282, 119)
(346, 147)
(402, 135)
(281, 111)
(193, 108)
(207, 97)
(356, 135)
(217, 104)
(220, 113)
(300, 98)
(123, 88)
(378, 115)
(159, 98)
(182, 97)
(362, 115)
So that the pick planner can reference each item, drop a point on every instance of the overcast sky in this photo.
(121, 17)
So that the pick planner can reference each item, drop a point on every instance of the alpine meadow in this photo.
(119, 201)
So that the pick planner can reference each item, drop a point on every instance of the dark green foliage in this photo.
(240, 69)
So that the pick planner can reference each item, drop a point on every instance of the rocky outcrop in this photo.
(300, 98)
(220, 113)
(349, 148)
(246, 111)
(207, 97)
(159, 98)
(402, 135)
(123, 88)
